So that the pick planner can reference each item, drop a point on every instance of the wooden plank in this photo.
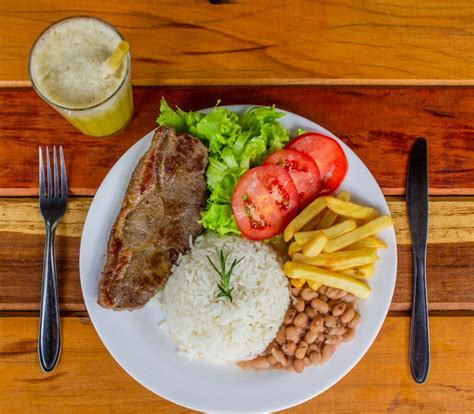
(379, 124)
(450, 254)
(451, 218)
(268, 41)
(381, 382)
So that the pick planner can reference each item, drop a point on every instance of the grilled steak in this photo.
(160, 212)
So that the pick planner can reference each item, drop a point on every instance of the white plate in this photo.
(144, 350)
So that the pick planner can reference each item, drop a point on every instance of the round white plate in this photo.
(146, 352)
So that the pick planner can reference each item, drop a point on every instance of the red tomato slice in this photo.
(303, 171)
(328, 156)
(264, 202)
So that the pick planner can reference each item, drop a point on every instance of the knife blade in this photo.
(418, 211)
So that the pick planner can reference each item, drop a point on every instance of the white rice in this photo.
(205, 326)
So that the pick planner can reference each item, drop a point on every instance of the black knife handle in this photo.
(419, 334)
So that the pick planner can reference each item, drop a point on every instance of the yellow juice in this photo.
(68, 70)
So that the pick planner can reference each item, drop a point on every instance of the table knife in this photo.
(417, 206)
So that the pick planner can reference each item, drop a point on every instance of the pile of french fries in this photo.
(333, 243)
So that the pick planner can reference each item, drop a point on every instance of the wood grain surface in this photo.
(303, 51)
(265, 41)
(450, 254)
(381, 382)
(379, 124)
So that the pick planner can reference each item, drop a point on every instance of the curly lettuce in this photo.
(235, 143)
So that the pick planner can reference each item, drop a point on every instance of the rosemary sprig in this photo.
(224, 284)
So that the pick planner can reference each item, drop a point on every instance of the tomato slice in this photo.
(264, 202)
(328, 156)
(303, 171)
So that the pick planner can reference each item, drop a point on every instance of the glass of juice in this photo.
(70, 69)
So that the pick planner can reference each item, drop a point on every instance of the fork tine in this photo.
(48, 174)
(56, 175)
(63, 173)
(41, 173)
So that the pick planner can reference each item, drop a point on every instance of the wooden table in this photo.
(378, 76)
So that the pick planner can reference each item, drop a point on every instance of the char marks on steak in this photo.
(160, 211)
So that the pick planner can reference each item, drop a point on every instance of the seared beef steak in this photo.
(160, 212)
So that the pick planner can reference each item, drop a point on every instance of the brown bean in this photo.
(349, 335)
(355, 321)
(290, 316)
(299, 305)
(310, 312)
(315, 358)
(322, 289)
(261, 362)
(337, 330)
(289, 348)
(327, 352)
(278, 366)
(306, 361)
(272, 360)
(334, 340)
(279, 356)
(295, 291)
(324, 298)
(317, 324)
(308, 294)
(281, 335)
(301, 350)
(311, 337)
(331, 293)
(341, 294)
(329, 321)
(298, 365)
(349, 297)
(300, 331)
(347, 316)
(321, 337)
(272, 345)
(319, 305)
(313, 348)
(292, 334)
(300, 320)
(339, 309)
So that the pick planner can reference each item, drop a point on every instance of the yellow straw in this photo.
(116, 58)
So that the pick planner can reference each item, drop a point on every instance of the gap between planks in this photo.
(461, 83)
(451, 218)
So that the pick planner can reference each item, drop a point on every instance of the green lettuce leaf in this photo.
(219, 218)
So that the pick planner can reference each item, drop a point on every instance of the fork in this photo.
(53, 202)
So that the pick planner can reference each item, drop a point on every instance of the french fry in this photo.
(311, 225)
(369, 229)
(339, 260)
(370, 241)
(312, 284)
(352, 210)
(366, 271)
(332, 232)
(311, 211)
(315, 245)
(328, 278)
(330, 216)
(294, 248)
(351, 271)
(299, 283)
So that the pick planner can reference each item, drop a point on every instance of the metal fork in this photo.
(53, 202)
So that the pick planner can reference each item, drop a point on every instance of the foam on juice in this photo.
(68, 63)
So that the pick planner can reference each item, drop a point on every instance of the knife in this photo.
(417, 206)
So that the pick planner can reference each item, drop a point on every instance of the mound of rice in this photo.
(205, 326)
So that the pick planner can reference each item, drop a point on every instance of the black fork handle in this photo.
(49, 338)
